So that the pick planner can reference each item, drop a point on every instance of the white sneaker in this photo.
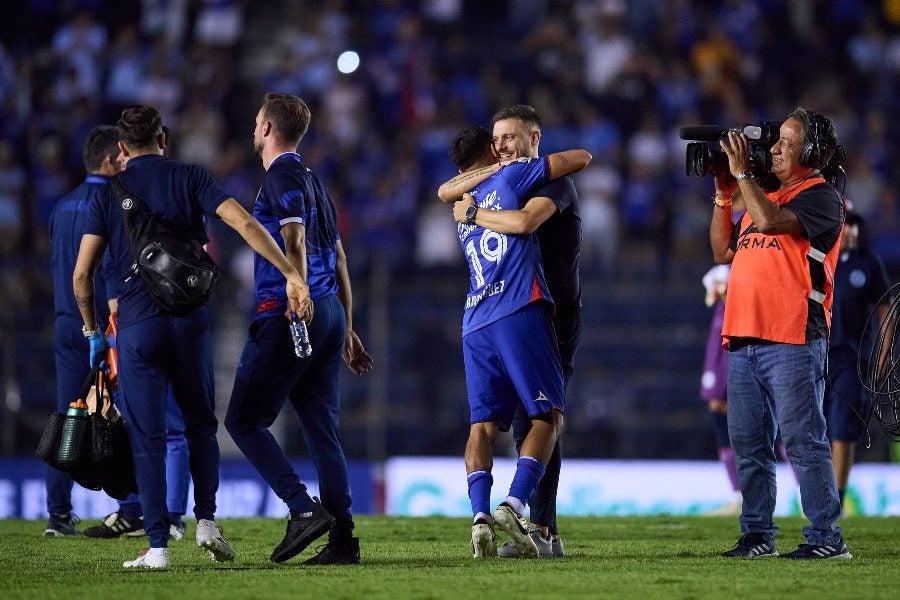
(557, 548)
(176, 532)
(514, 526)
(484, 542)
(210, 537)
(148, 560)
(732, 508)
(544, 547)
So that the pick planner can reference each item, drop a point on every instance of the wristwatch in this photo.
(745, 175)
(470, 214)
(88, 333)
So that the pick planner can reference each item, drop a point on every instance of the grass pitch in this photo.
(609, 557)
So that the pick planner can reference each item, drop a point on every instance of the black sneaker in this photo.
(302, 530)
(752, 545)
(336, 553)
(811, 552)
(62, 526)
(116, 525)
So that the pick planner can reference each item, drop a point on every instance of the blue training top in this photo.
(178, 192)
(67, 222)
(292, 193)
(505, 271)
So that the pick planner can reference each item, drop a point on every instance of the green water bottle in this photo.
(75, 428)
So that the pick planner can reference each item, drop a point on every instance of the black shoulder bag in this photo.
(177, 271)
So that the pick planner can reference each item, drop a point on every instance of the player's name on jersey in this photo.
(490, 289)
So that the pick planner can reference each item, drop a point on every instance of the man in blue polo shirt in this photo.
(158, 348)
(298, 212)
(128, 519)
(509, 344)
(69, 345)
(860, 284)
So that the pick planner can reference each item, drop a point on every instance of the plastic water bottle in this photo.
(75, 428)
(300, 337)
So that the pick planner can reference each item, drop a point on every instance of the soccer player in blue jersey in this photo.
(509, 345)
(553, 212)
(158, 348)
(860, 284)
(296, 208)
(69, 345)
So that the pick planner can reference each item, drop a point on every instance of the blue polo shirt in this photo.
(860, 281)
(178, 192)
(67, 224)
(292, 193)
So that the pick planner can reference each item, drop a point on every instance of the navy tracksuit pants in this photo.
(72, 352)
(269, 373)
(154, 353)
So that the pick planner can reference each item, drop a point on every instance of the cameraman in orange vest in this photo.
(783, 254)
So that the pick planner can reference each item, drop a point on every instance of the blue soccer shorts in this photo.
(512, 361)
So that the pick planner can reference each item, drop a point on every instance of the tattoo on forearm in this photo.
(464, 177)
(84, 300)
(564, 160)
(467, 177)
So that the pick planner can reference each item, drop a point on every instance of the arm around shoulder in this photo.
(452, 190)
(565, 163)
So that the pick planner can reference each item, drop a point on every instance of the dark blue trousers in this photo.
(153, 354)
(178, 475)
(542, 504)
(71, 350)
(270, 373)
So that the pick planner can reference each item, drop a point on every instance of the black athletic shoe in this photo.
(810, 552)
(752, 545)
(302, 530)
(336, 553)
(115, 525)
(62, 526)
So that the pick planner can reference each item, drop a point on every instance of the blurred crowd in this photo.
(615, 77)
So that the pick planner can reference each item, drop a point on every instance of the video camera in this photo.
(700, 159)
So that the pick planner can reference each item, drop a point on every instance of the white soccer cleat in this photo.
(484, 542)
(557, 547)
(514, 526)
(148, 560)
(545, 547)
(210, 537)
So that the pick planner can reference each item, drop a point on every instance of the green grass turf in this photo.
(609, 557)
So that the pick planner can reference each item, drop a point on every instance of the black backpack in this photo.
(176, 270)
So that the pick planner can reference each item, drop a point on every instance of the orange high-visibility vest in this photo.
(772, 285)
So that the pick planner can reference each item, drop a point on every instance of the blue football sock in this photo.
(529, 471)
(480, 483)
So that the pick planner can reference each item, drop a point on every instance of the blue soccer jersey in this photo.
(292, 193)
(505, 271)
